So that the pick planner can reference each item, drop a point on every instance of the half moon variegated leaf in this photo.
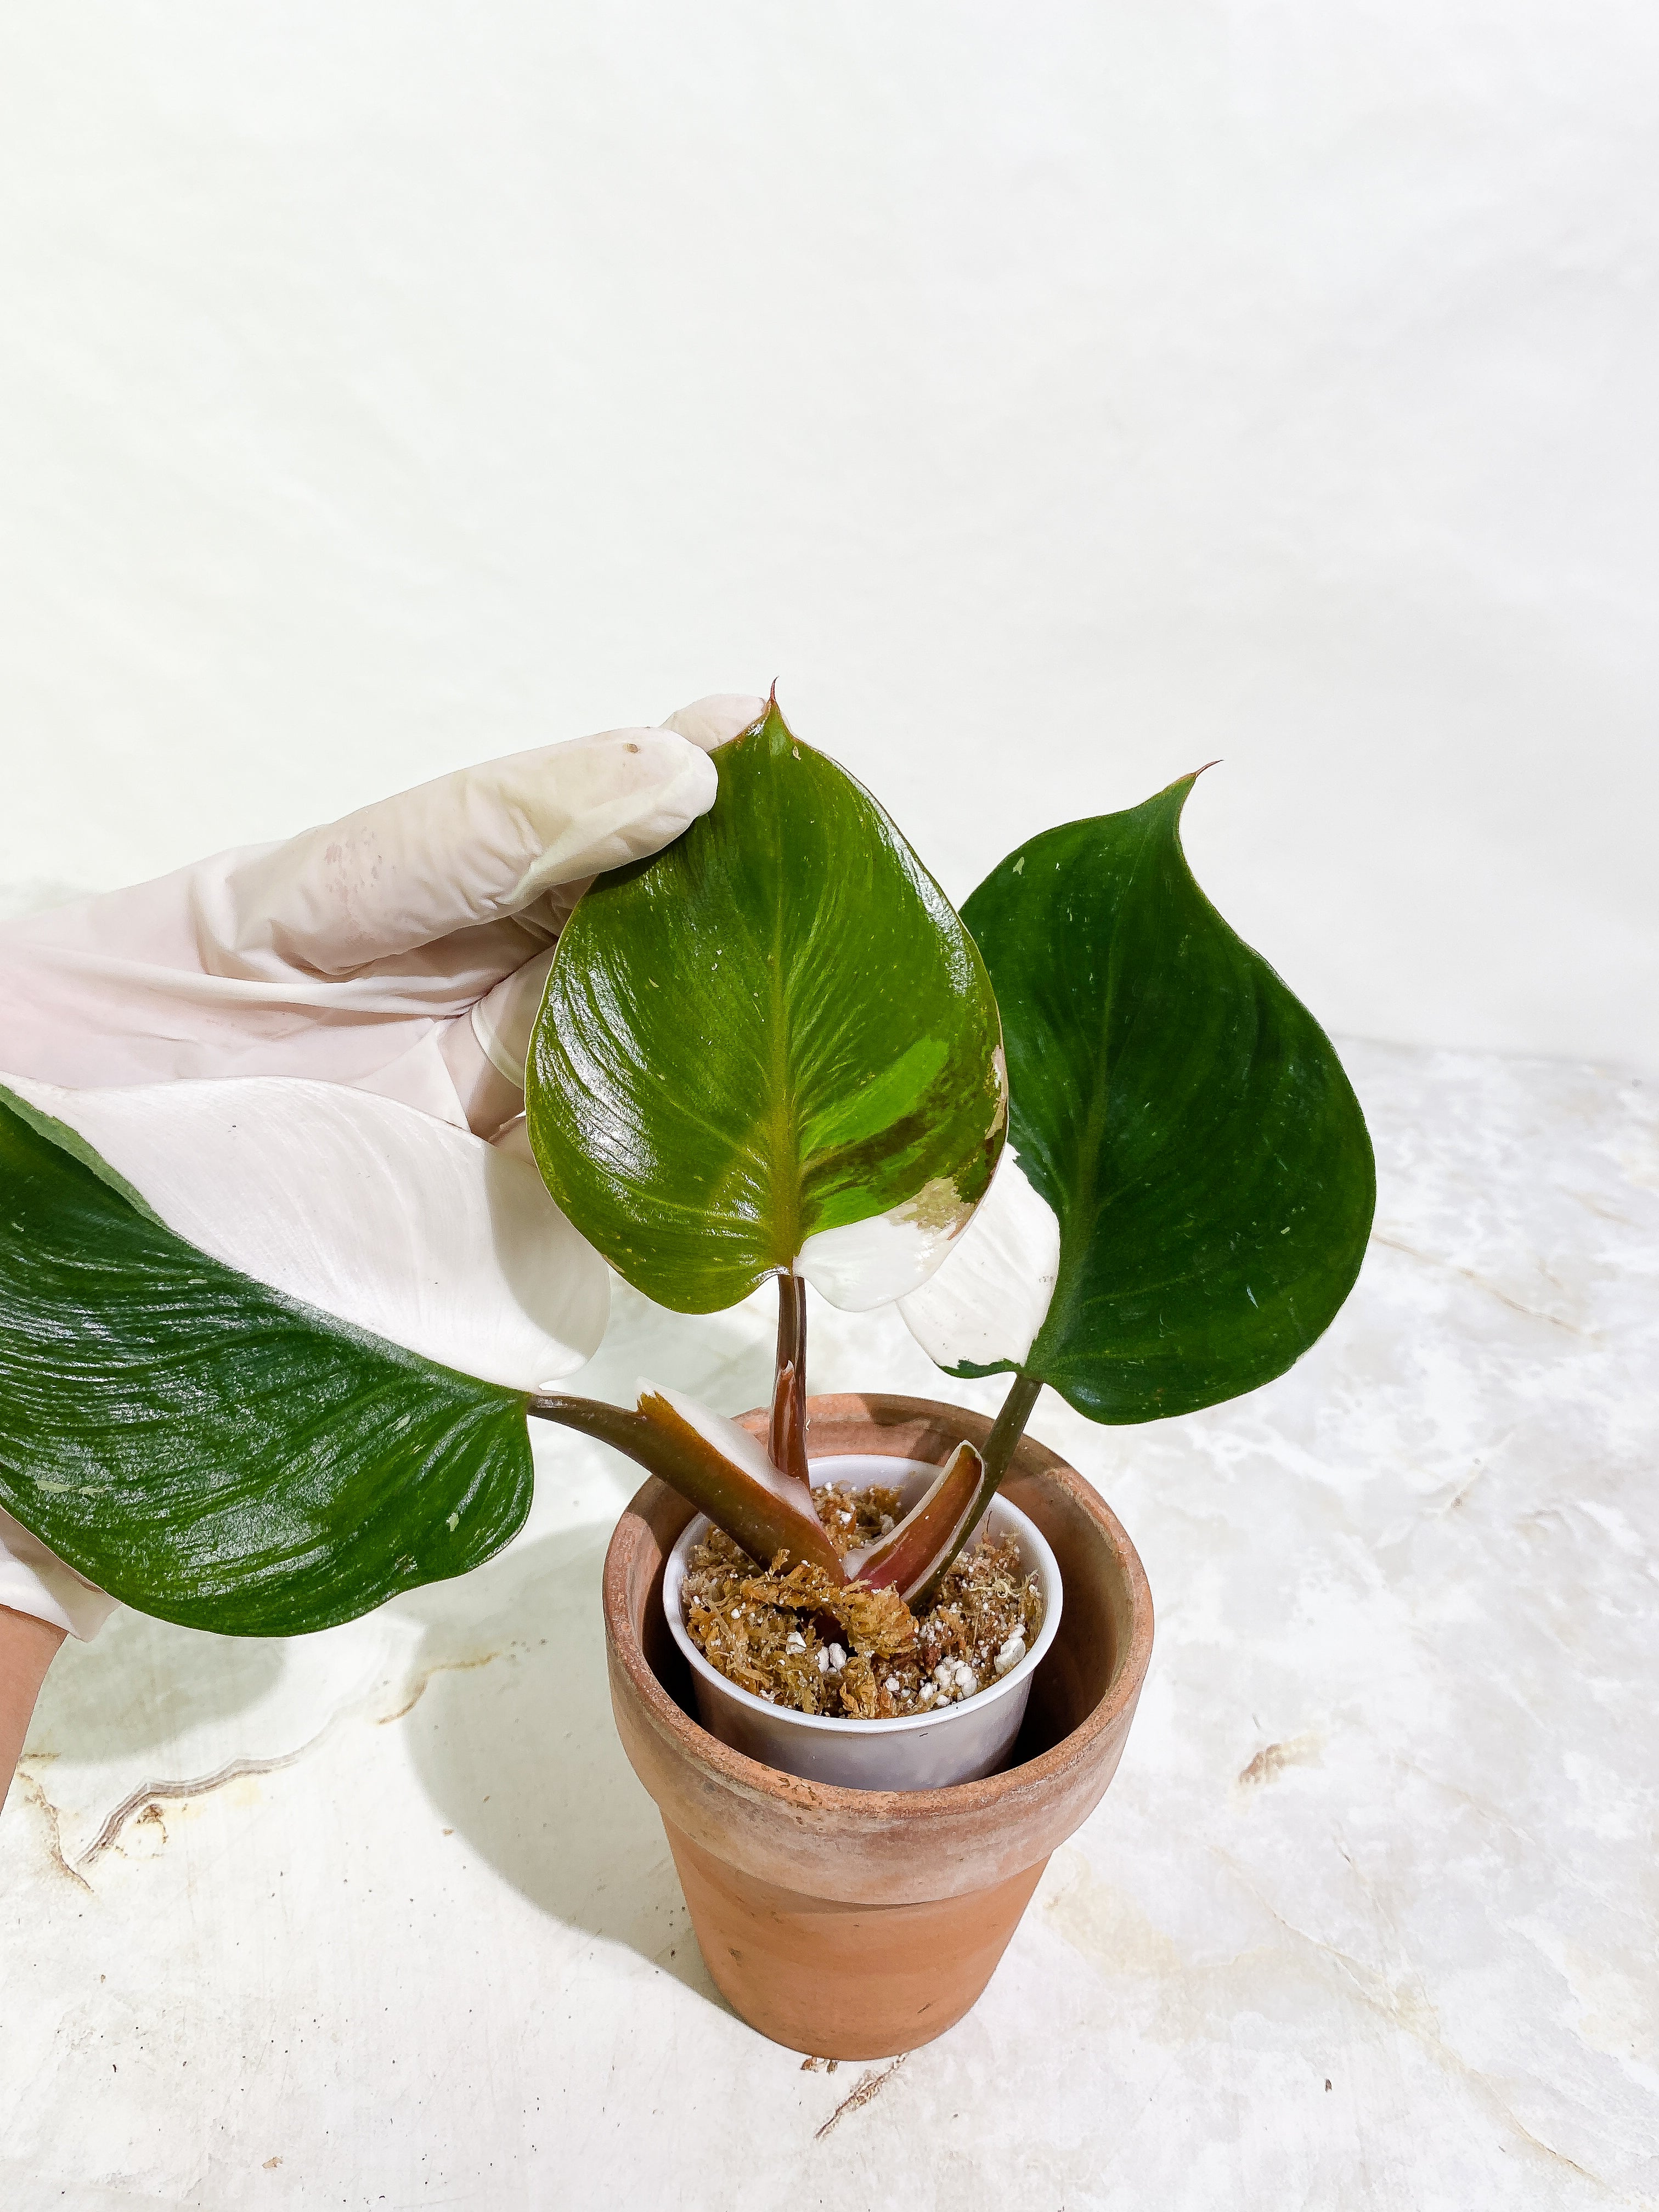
(211, 1449)
(412, 1228)
(772, 1046)
(1180, 1117)
(984, 1307)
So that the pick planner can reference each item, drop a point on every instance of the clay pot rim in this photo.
(865, 1809)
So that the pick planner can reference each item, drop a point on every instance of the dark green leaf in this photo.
(206, 1449)
(773, 1030)
(1183, 1114)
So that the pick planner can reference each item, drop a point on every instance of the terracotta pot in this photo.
(856, 1924)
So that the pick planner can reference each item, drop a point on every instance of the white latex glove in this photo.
(200, 1031)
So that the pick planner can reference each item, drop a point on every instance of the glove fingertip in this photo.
(713, 721)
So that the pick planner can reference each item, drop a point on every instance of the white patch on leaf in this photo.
(992, 1294)
(741, 1451)
(869, 1263)
(413, 1229)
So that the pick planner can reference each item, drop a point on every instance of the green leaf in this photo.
(406, 1227)
(212, 1450)
(1180, 1113)
(772, 1045)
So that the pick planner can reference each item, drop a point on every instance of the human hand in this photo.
(292, 1051)
(400, 950)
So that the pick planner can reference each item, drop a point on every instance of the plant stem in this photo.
(624, 1431)
(763, 1516)
(788, 1436)
(1006, 1431)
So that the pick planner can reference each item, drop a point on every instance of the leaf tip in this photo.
(1183, 784)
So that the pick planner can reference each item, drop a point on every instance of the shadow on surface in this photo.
(519, 1755)
(143, 1683)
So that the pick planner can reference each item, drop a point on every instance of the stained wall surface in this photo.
(1052, 398)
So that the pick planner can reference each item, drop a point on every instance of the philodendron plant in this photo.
(773, 1050)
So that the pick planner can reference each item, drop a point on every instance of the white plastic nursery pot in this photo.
(918, 1751)
(856, 1924)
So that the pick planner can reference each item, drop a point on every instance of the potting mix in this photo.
(789, 1635)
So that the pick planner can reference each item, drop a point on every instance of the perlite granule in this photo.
(791, 1635)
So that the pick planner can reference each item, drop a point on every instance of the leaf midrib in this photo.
(784, 1108)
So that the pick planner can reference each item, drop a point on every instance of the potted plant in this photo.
(1080, 1134)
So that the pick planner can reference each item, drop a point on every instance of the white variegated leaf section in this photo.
(723, 1436)
(991, 1296)
(870, 1263)
(413, 1229)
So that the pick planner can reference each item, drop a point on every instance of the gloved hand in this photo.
(400, 951)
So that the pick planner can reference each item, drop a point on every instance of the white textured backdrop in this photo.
(1052, 398)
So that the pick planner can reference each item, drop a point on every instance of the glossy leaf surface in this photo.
(361, 1207)
(207, 1448)
(1181, 1112)
(773, 1045)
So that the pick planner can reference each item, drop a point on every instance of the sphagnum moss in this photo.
(788, 1634)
